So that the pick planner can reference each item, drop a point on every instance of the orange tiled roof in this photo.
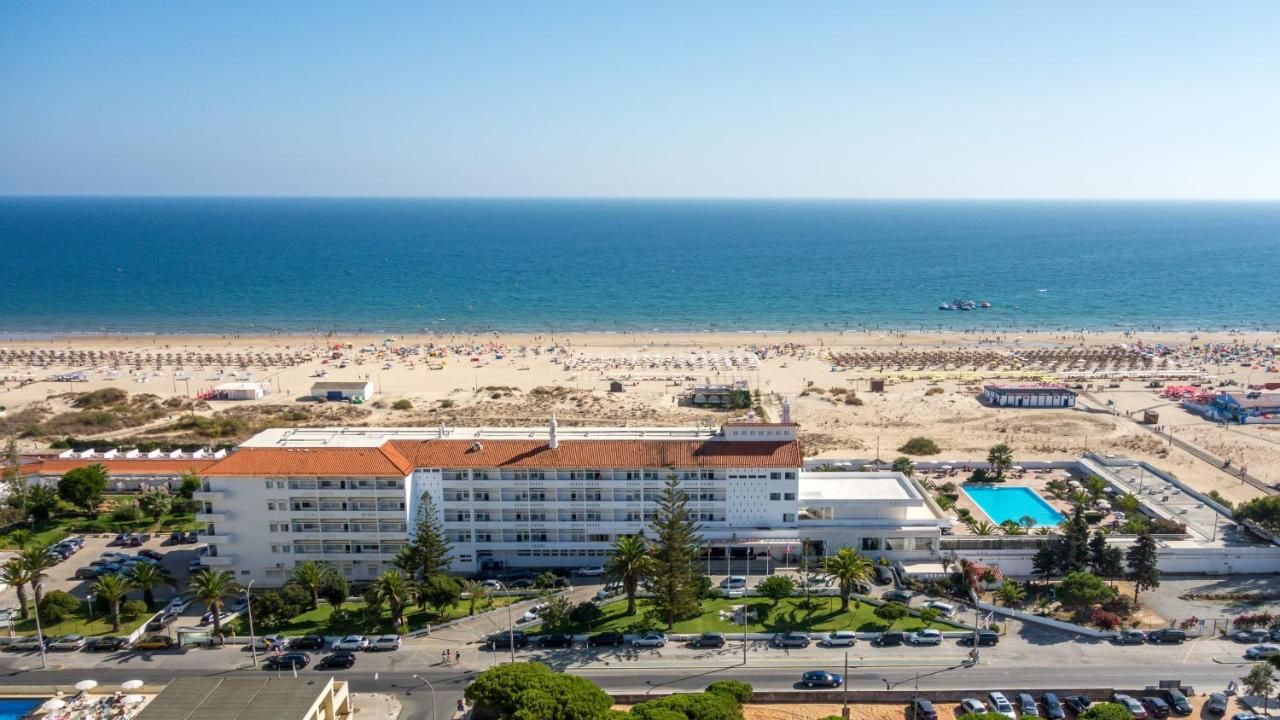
(599, 453)
(116, 466)
(384, 461)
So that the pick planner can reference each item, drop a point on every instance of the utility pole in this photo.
(253, 640)
(844, 711)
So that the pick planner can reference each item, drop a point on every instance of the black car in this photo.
(1155, 706)
(108, 643)
(1052, 707)
(985, 637)
(606, 638)
(161, 622)
(507, 639)
(556, 640)
(153, 554)
(175, 538)
(307, 642)
(891, 638)
(287, 661)
(1178, 702)
(1077, 703)
(708, 640)
(342, 659)
(922, 709)
(1167, 635)
(119, 539)
(884, 575)
(1026, 705)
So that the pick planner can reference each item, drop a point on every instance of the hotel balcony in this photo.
(218, 560)
(216, 538)
(214, 496)
(213, 517)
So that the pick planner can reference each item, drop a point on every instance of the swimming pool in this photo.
(15, 709)
(1013, 503)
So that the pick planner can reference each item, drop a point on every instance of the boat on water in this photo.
(962, 304)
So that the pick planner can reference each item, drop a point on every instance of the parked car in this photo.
(556, 640)
(26, 644)
(731, 593)
(223, 617)
(153, 554)
(708, 640)
(733, 581)
(269, 643)
(1130, 637)
(1275, 634)
(307, 642)
(884, 575)
(154, 642)
(1251, 636)
(1131, 704)
(1216, 704)
(87, 573)
(1177, 701)
(1027, 705)
(839, 638)
(287, 661)
(1167, 635)
(790, 640)
(927, 636)
(821, 678)
(342, 659)
(504, 640)
(972, 705)
(591, 571)
(106, 643)
(1053, 709)
(1077, 703)
(1261, 652)
(608, 591)
(1000, 704)
(1156, 707)
(178, 604)
(352, 643)
(985, 637)
(944, 608)
(922, 709)
(606, 639)
(68, 643)
(385, 643)
(650, 639)
(160, 622)
(899, 596)
(890, 638)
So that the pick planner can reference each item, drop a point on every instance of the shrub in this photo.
(736, 689)
(1105, 620)
(933, 391)
(919, 446)
(402, 404)
(446, 403)
(994, 627)
(585, 614)
(126, 512)
(1122, 605)
(851, 399)
(695, 706)
(131, 609)
(56, 606)
(1106, 711)
(531, 690)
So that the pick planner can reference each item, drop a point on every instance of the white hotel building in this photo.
(540, 497)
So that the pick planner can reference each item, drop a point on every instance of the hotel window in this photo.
(775, 476)
(788, 517)
(790, 476)
(271, 504)
(482, 496)
(788, 496)
(482, 516)
(895, 543)
(598, 538)
(870, 543)
(775, 496)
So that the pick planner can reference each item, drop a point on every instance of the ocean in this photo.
(227, 265)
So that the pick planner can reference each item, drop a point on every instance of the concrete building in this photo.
(1253, 407)
(338, 390)
(239, 391)
(1032, 395)
(251, 698)
(541, 497)
(125, 474)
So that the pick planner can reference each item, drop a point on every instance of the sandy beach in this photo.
(509, 379)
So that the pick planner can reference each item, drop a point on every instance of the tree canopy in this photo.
(1265, 511)
(1106, 711)
(531, 691)
(1143, 568)
(1081, 590)
(84, 486)
(675, 539)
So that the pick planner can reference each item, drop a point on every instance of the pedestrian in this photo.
(461, 706)
(448, 656)
(458, 656)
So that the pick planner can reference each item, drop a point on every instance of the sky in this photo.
(1092, 99)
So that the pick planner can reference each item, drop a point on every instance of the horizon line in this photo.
(665, 198)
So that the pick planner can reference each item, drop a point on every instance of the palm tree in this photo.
(14, 573)
(982, 527)
(393, 588)
(848, 568)
(1095, 486)
(1079, 497)
(311, 576)
(1000, 457)
(38, 559)
(1044, 530)
(147, 577)
(210, 587)
(112, 589)
(42, 501)
(1012, 528)
(1027, 522)
(1129, 503)
(475, 590)
(628, 563)
(155, 503)
(20, 537)
(1011, 593)
(904, 465)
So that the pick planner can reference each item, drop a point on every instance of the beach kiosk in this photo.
(340, 390)
(1029, 395)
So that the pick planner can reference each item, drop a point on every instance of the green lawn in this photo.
(47, 536)
(79, 624)
(62, 526)
(790, 614)
(316, 622)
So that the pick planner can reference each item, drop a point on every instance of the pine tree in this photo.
(1045, 562)
(430, 548)
(1075, 555)
(1112, 563)
(1097, 551)
(1143, 568)
(673, 580)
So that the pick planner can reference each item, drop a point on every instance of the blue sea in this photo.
(128, 265)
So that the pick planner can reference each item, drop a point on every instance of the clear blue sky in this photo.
(683, 99)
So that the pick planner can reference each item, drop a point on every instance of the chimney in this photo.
(786, 410)
(553, 443)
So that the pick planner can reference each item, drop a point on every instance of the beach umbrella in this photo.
(132, 699)
(131, 685)
(85, 685)
(53, 704)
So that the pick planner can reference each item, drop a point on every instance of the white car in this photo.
(591, 571)
(352, 643)
(1131, 703)
(1000, 704)
(946, 609)
(927, 636)
(972, 705)
(734, 592)
(839, 638)
(650, 639)
(271, 642)
(1261, 651)
(178, 604)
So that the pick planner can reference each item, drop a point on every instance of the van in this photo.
(893, 637)
(985, 637)
(1167, 635)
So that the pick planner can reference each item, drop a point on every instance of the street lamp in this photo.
(253, 641)
(39, 588)
(433, 695)
(89, 601)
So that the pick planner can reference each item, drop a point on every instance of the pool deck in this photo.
(1029, 479)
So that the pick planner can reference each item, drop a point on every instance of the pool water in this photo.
(15, 709)
(1013, 503)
